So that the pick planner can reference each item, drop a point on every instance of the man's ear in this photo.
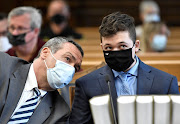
(36, 30)
(101, 46)
(137, 46)
(44, 53)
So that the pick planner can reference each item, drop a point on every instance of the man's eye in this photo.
(68, 59)
(123, 46)
(108, 48)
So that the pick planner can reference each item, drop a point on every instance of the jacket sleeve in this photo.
(174, 89)
(81, 112)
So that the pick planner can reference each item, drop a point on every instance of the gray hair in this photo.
(148, 3)
(35, 15)
(56, 43)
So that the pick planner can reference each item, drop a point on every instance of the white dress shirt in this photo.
(28, 91)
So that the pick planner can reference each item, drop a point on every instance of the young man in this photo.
(28, 91)
(128, 74)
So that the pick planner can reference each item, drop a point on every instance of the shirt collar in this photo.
(31, 81)
(132, 71)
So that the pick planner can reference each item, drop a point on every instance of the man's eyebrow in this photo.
(71, 55)
(107, 44)
(118, 43)
(122, 42)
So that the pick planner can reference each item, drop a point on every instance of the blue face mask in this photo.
(60, 75)
(159, 43)
(152, 18)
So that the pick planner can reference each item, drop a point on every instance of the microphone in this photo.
(111, 101)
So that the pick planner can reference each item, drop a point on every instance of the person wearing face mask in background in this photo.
(58, 16)
(127, 73)
(149, 12)
(4, 42)
(53, 68)
(154, 37)
(24, 25)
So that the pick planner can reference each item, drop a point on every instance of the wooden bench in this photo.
(98, 56)
(87, 70)
(71, 95)
(169, 66)
(91, 40)
(97, 48)
(78, 75)
(92, 33)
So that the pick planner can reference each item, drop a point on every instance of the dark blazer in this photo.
(149, 81)
(13, 74)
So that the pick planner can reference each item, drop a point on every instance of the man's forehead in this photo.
(25, 16)
(70, 48)
(122, 36)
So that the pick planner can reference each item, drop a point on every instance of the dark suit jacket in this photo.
(149, 81)
(13, 74)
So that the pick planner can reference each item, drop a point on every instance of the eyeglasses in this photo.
(18, 29)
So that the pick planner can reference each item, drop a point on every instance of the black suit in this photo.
(149, 81)
(13, 75)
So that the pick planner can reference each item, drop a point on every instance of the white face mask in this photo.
(159, 42)
(152, 18)
(4, 44)
(60, 75)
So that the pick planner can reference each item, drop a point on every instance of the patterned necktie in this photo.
(23, 114)
(124, 89)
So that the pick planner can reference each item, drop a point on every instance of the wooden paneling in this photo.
(90, 12)
(168, 61)
(169, 66)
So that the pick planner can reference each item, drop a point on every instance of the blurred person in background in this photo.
(154, 37)
(24, 25)
(149, 11)
(4, 42)
(58, 15)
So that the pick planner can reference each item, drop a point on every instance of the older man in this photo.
(24, 27)
(28, 91)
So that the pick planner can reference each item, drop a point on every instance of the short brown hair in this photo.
(115, 22)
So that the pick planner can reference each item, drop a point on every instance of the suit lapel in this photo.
(104, 85)
(43, 109)
(16, 86)
(145, 79)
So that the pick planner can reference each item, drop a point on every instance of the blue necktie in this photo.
(23, 114)
(124, 88)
